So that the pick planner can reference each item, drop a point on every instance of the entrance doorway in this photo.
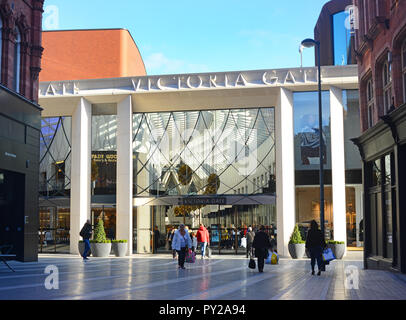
(227, 225)
(54, 228)
(12, 186)
(108, 215)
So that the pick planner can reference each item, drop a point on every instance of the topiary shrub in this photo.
(296, 237)
(99, 233)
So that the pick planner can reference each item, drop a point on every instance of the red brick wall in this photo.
(26, 15)
(382, 29)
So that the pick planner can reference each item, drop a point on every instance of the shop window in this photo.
(376, 173)
(387, 86)
(370, 103)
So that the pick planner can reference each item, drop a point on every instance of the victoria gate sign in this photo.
(219, 80)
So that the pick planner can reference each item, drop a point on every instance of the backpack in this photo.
(82, 232)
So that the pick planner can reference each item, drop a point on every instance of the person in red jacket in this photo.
(203, 238)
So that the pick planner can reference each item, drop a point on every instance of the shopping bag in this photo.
(328, 255)
(190, 257)
(274, 258)
(208, 252)
(244, 242)
(252, 264)
(268, 260)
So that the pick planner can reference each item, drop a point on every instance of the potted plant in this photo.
(296, 244)
(100, 246)
(338, 248)
(119, 247)
(82, 248)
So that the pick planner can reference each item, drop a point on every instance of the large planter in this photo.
(338, 250)
(296, 250)
(82, 249)
(100, 249)
(119, 248)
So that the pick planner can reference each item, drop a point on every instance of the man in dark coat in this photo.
(315, 243)
(86, 234)
(261, 244)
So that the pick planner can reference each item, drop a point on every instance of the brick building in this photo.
(90, 54)
(381, 54)
(20, 124)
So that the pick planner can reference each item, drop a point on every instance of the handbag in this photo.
(252, 264)
(190, 257)
(328, 255)
(208, 252)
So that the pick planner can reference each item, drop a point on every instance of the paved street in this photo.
(221, 278)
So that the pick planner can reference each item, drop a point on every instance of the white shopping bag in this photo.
(244, 242)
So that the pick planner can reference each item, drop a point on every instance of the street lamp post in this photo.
(309, 43)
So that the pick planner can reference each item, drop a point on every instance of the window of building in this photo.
(387, 86)
(370, 103)
(404, 70)
(17, 60)
(341, 39)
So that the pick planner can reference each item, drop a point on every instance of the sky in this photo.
(200, 36)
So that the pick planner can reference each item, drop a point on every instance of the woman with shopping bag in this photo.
(181, 242)
(315, 243)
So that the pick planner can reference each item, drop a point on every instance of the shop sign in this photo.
(194, 201)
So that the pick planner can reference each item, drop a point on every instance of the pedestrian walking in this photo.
(181, 242)
(157, 236)
(194, 241)
(86, 234)
(315, 243)
(261, 244)
(203, 238)
(250, 239)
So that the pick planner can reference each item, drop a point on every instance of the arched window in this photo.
(370, 103)
(387, 86)
(404, 69)
(17, 61)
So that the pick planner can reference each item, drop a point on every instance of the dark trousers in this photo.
(315, 254)
(87, 247)
(181, 256)
(261, 254)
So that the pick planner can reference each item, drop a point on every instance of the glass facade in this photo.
(209, 154)
(306, 130)
(307, 163)
(341, 40)
(104, 154)
(55, 157)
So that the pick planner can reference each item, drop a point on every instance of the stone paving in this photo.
(157, 277)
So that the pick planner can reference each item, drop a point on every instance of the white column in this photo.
(125, 173)
(338, 164)
(285, 171)
(80, 171)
